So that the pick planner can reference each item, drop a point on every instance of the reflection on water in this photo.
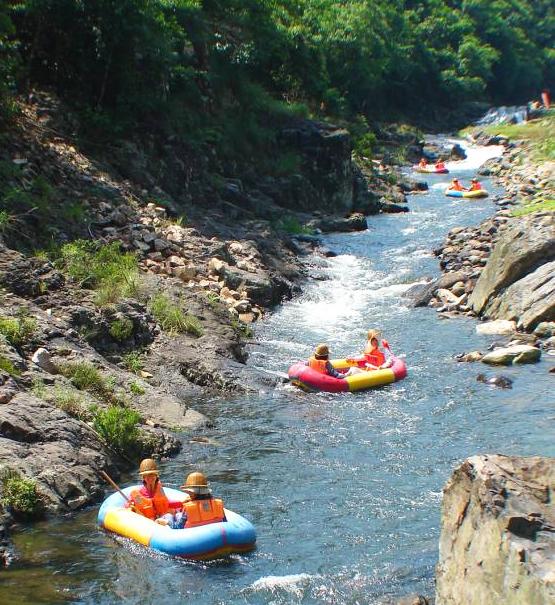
(344, 490)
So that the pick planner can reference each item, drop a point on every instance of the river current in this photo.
(344, 490)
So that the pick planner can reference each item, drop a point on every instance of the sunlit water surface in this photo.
(344, 490)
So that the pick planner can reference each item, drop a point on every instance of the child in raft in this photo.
(374, 358)
(440, 165)
(423, 163)
(320, 363)
(475, 185)
(456, 185)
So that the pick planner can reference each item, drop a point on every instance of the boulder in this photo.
(545, 329)
(530, 300)
(501, 381)
(500, 326)
(497, 544)
(42, 358)
(472, 356)
(523, 246)
(422, 294)
(506, 356)
(329, 224)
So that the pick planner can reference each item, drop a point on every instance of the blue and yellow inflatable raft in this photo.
(235, 535)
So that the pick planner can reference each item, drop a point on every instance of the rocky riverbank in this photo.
(504, 268)
(105, 345)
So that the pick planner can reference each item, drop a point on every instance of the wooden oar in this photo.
(113, 484)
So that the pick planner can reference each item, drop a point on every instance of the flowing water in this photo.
(344, 490)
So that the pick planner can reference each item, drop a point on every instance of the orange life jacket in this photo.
(319, 365)
(373, 356)
(422, 164)
(456, 187)
(151, 507)
(440, 166)
(475, 186)
(203, 512)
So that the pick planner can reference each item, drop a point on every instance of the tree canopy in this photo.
(182, 62)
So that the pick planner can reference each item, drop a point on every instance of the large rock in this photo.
(422, 294)
(525, 245)
(497, 545)
(530, 300)
(330, 224)
(516, 354)
(500, 326)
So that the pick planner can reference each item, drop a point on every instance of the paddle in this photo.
(107, 477)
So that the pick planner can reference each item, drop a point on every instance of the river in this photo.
(344, 490)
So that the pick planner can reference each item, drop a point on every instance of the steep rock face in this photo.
(497, 541)
(524, 246)
(529, 300)
(62, 453)
(326, 173)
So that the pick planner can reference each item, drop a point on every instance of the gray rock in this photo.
(512, 355)
(530, 300)
(503, 382)
(496, 545)
(500, 326)
(43, 359)
(422, 294)
(330, 224)
(524, 245)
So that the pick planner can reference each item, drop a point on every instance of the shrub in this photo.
(70, 402)
(291, 224)
(5, 220)
(121, 329)
(107, 269)
(241, 328)
(136, 388)
(171, 316)
(133, 361)
(7, 366)
(17, 330)
(19, 494)
(118, 427)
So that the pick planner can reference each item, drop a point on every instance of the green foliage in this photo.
(7, 366)
(19, 494)
(535, 206)
(241, 328)
(118, 427)
(5, 220)
(121, 329)
(136, 388)
(133, 361)
(290, 224)
(71, 402)
(86, 377)
(171, 316)
(108, 270)
(18, 330)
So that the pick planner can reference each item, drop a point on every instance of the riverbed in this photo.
(344, 490)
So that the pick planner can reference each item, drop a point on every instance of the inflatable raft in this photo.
(235, 535)
(430, 170)
(471, 194)
(306, 378)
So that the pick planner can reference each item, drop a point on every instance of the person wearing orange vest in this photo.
(202, 508)
(440, 165)
(456, 186)
(320, 362)
(150, 499)
(475, 185)
(375, 358)
(423, 163)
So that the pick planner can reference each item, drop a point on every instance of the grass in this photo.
(535, 206)
(172, 318)
(19, 495)
(538, 133)
(106, 269)
(118, 428)
(71, 402)
(7, 366)
(133, 361)
(5, 220)
(291, 224)
(17, 330)
(121, 329)
(136, 389)
(242, 329)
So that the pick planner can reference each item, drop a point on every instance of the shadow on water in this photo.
(344, 490)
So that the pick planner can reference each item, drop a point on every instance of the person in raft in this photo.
(475, 185)
(374, 358)
(440, 165)
(457, 186)
(202, 508)
(150, 499)
(423, 163)
(320, 362)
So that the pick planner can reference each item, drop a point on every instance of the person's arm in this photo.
(332, 371)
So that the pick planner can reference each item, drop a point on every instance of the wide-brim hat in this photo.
(196, 489)
(373, 334)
